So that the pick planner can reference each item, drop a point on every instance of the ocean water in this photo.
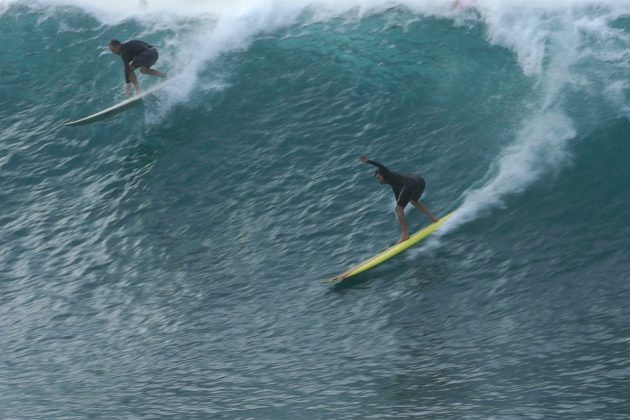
(168, 262)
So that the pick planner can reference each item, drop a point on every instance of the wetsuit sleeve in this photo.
(126, 67)
(384, 171)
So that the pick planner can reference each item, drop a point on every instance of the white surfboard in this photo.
(120, 107)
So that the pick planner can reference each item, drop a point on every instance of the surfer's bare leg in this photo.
(425, 210)
(146, 70)
(402, 220)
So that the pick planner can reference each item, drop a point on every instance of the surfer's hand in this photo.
(363, 158)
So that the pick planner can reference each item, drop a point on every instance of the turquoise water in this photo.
(167, 262)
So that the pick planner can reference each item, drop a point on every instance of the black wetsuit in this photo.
(406, 186)
(139, 54)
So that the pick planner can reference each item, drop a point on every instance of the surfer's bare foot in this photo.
(434, 220)
(403, 238)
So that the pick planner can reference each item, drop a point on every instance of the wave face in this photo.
(166, 262)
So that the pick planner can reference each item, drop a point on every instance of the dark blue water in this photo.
(168, 262)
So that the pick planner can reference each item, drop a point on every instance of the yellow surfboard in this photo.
(390, 252)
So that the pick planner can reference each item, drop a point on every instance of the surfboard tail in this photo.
(390, 252)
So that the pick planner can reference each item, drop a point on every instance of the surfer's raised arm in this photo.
(382, 169)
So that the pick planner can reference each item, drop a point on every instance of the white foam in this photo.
(539, 148)
(555, 45)
(552, 41)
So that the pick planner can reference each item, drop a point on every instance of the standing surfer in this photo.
(407, 189)
(136, 54)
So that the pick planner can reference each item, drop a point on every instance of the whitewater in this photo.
(168, 262)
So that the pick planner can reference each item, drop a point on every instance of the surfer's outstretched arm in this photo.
(382, 168)
(130, 78)
(134, 80)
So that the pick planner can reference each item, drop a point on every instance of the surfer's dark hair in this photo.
(115, 43)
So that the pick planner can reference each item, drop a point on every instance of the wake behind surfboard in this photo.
(390, 252)
(120, 107)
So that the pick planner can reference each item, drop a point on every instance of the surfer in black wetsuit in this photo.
(136, 54)
(407, 189)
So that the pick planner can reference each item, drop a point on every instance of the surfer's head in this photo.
(115, 46)
(379, 176)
